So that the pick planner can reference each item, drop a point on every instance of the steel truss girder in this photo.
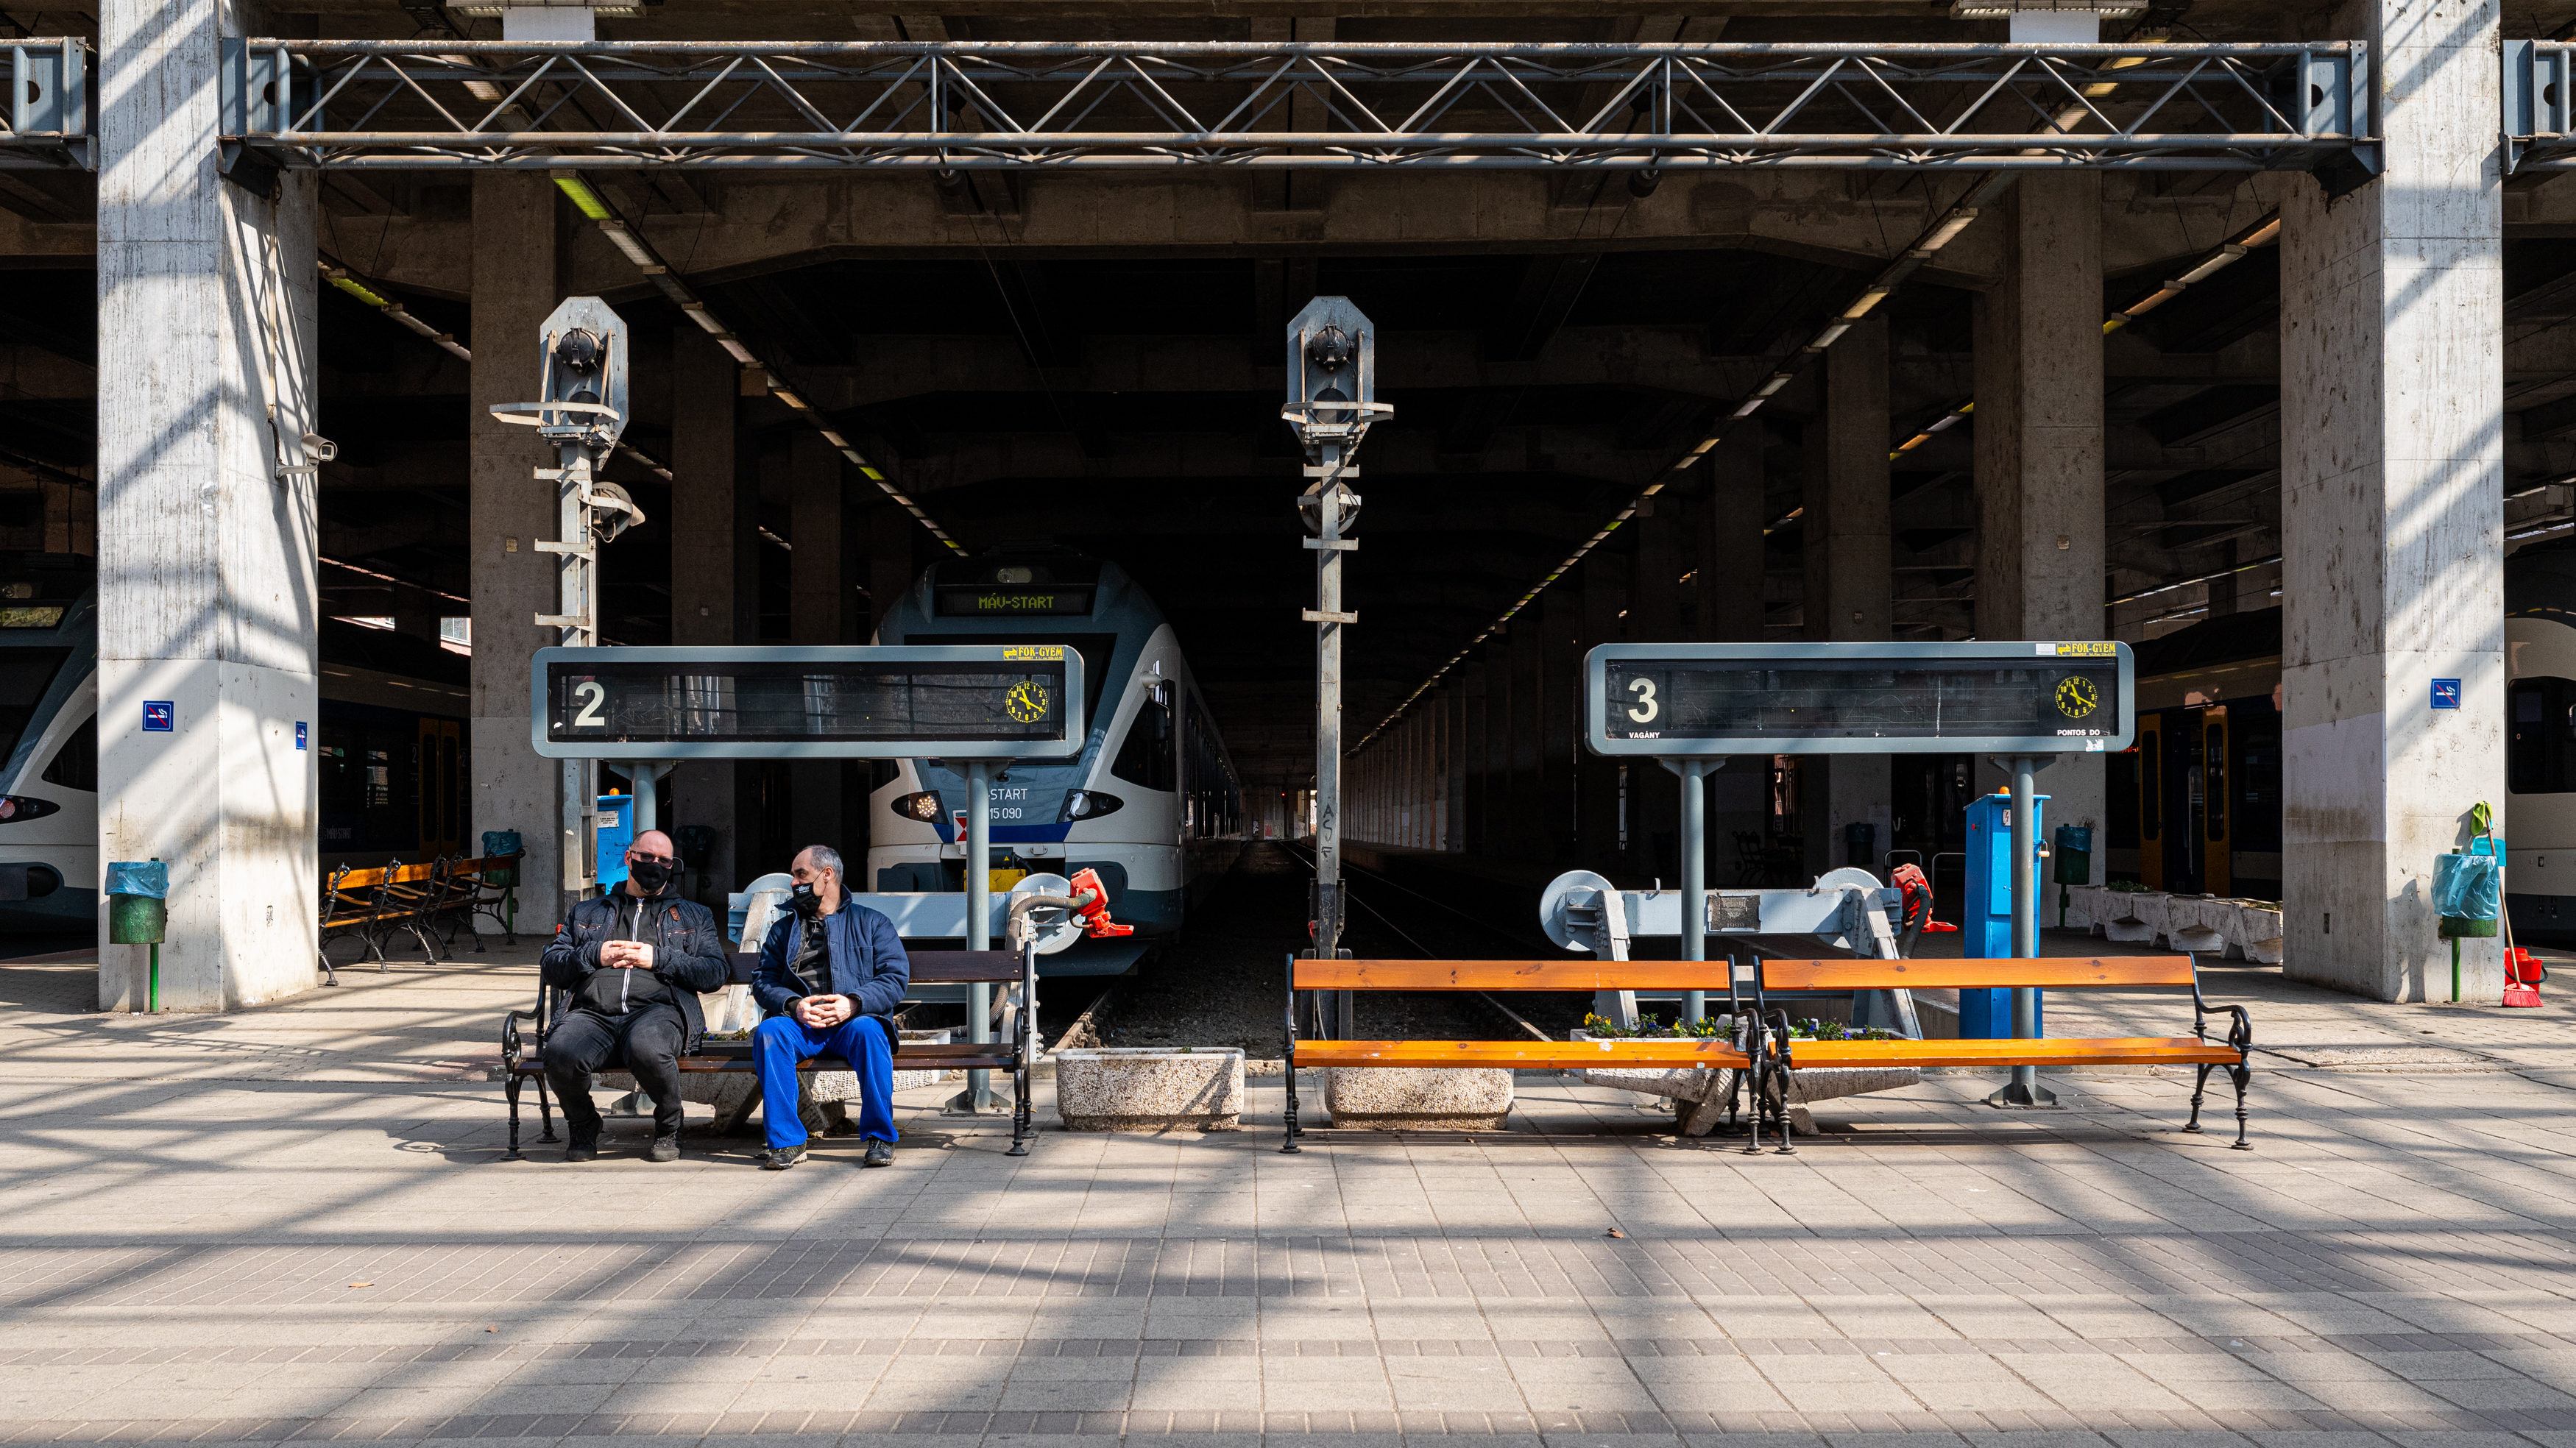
(972, 105)
(2537, 128)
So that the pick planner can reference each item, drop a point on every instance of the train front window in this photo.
(24, 676)
(2540, 745)
(75, 765)
(1146, 757)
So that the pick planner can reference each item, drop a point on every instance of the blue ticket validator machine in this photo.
(1986, 921)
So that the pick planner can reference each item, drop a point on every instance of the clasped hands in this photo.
(625, 955)
(823, 1012)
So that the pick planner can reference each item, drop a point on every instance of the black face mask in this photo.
(805, 902)
(649, 875)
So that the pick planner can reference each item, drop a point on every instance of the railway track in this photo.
(1377, 881)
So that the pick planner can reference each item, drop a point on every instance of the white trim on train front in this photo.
(68, 838)
(1144, 836)
(2539, 829)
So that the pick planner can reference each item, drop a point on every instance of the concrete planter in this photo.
(1418, 1098)
(1135, 1088)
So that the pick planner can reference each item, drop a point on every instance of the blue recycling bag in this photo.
(2467, 887)
(147, 878)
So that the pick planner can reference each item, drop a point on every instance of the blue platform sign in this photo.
(2446, 693)
(299, 734)
(160, 716)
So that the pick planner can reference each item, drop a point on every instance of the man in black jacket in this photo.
(635, 960)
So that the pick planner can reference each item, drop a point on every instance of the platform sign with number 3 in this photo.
(1697, 700)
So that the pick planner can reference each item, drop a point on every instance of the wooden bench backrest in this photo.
(1569, 975)
(2064, 971)
(949, 967)
(413, 874)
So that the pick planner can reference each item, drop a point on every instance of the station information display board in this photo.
(957, 701)
(2029, 697)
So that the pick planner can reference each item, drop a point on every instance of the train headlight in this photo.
(922, 806)
(16, 807)
(1087, 804)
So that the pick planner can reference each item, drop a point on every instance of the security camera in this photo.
(321, 449)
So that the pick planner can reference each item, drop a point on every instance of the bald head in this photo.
(652, 853)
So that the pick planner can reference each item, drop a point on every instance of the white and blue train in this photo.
(1152, 802)
(390, 758)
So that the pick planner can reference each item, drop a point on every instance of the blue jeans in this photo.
(782, 1041)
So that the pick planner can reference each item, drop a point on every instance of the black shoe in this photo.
(584, 1147)
(879, 1153)
(780, 1158)
(665, 1148)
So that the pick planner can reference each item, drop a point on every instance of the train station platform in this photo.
(294, 1223)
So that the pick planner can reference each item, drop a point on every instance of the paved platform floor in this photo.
(295, 1224)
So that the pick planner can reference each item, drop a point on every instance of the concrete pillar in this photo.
(205, 565)
(516, 256)
(1850, 583)
(1729, 579)
(1729, 584)
(2392, 517)
(1655, 616)
(713, 574)
(71, 521)
(1476, 771)
(891, 537)
(1454, 763)
(2039, 451)
(819, 599)
(1533, 695)
(1604, 584)
(417, 612)
(1560, 611)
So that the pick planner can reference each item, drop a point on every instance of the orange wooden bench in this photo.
(372, 904)
(1715, 977)
(2235, 1052)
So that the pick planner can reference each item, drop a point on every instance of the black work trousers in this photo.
(648, 1041)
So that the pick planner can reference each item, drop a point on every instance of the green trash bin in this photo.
(138, 911)
(502, 843)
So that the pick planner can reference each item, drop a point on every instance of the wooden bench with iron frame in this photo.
(523, 1055)
(2234, 1051)
(1746, 1054)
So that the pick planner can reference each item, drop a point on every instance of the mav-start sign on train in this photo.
(1682, 700)
(950, 701)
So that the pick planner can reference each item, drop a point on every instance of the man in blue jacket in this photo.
(831, 974)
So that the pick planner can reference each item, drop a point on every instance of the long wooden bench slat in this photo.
(955, 967)
(1975, 974)
(2051, 1051)
(915, 1056)
(1525, 1055)
(1563, 975)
